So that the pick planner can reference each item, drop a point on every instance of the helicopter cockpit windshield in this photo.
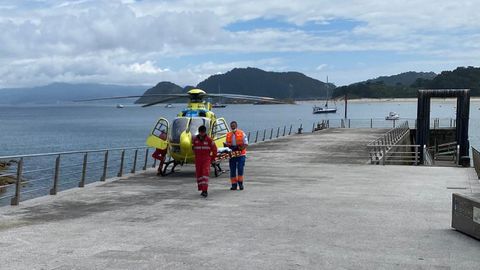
(196, 122)
(179, 125)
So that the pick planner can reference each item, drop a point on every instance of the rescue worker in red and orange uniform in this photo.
(205, 152)
(238, 142)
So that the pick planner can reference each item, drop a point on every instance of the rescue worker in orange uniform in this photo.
(238, 142)
(205, 152)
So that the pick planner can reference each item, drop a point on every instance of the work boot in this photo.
(240, 185)
(204, 193)
(234, 187)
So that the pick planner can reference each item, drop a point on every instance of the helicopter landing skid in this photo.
(164, 170)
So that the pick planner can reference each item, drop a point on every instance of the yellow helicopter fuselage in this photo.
(177, 137)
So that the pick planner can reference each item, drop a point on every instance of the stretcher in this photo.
(223, 153)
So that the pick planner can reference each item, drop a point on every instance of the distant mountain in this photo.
(396, 86)
(65, 93)
(405, 79)
(254, 81)
(460, 78)
(160, 88)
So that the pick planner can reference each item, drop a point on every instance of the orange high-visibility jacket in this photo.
(239, 138)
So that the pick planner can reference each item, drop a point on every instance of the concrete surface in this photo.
(300, 210)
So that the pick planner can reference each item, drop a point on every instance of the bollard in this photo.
(248, 136)
(300, 129)
(154, 163)
(313, 127)
(84, 171)
(16, 199)
(290, 131)
(284, 129)
(271, 133)
(348, 123)
(371, 123)
(278, 131)
(256, 136)
(264, 134)
(53, 190)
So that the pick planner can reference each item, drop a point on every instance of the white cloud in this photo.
(126, 41)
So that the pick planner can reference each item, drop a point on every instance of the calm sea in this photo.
(39, 129)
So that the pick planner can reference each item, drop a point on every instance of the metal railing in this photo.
(476, 161)
(386, 150)
(41, 174)
(447, 151)
(435, 123)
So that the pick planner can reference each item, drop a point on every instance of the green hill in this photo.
(160, 88)
(460, 78)
(254, 81)
(405, 78)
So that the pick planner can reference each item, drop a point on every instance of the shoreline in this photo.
(381, 100)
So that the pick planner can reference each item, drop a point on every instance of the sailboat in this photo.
(325, 108)
(218, 104)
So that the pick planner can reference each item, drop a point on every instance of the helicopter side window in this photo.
(195, 123)
(179, 125)
(161, 130)
(220, 129)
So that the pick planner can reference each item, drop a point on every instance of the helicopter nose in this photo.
(186, 142)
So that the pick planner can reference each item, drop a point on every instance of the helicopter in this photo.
(174, 140)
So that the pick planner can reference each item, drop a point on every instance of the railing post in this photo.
(284, 130)
(154, 163)
(264, 133)
(105, 167)
(122, 162)
(53, 190)
(290, 131)
(342, 123)
(271, 133)
(256, 136)
(248, 137)
(349, 122)
(278, 131)
(84, 170)
(134, 168)
(371, 122)
(16, 200)
(394, 123)
(313, 127)
(384, 156)
(146, 160)
(458, 154)
(416, 154)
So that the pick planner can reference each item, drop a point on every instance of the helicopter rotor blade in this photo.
(136, 96)
(162, 101)
(248, 97)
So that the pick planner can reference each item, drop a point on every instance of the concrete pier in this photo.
(310, 202)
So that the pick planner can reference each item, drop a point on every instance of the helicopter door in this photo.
(158, 137)
(219, 131)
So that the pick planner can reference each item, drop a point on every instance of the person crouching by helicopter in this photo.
(205, 152)
(238, 142)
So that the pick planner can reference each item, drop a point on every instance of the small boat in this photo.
(324, 109)
(169, 105)
(120, 106)
(392, 116)
(218, 105)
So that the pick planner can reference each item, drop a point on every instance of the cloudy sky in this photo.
(185, 41)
